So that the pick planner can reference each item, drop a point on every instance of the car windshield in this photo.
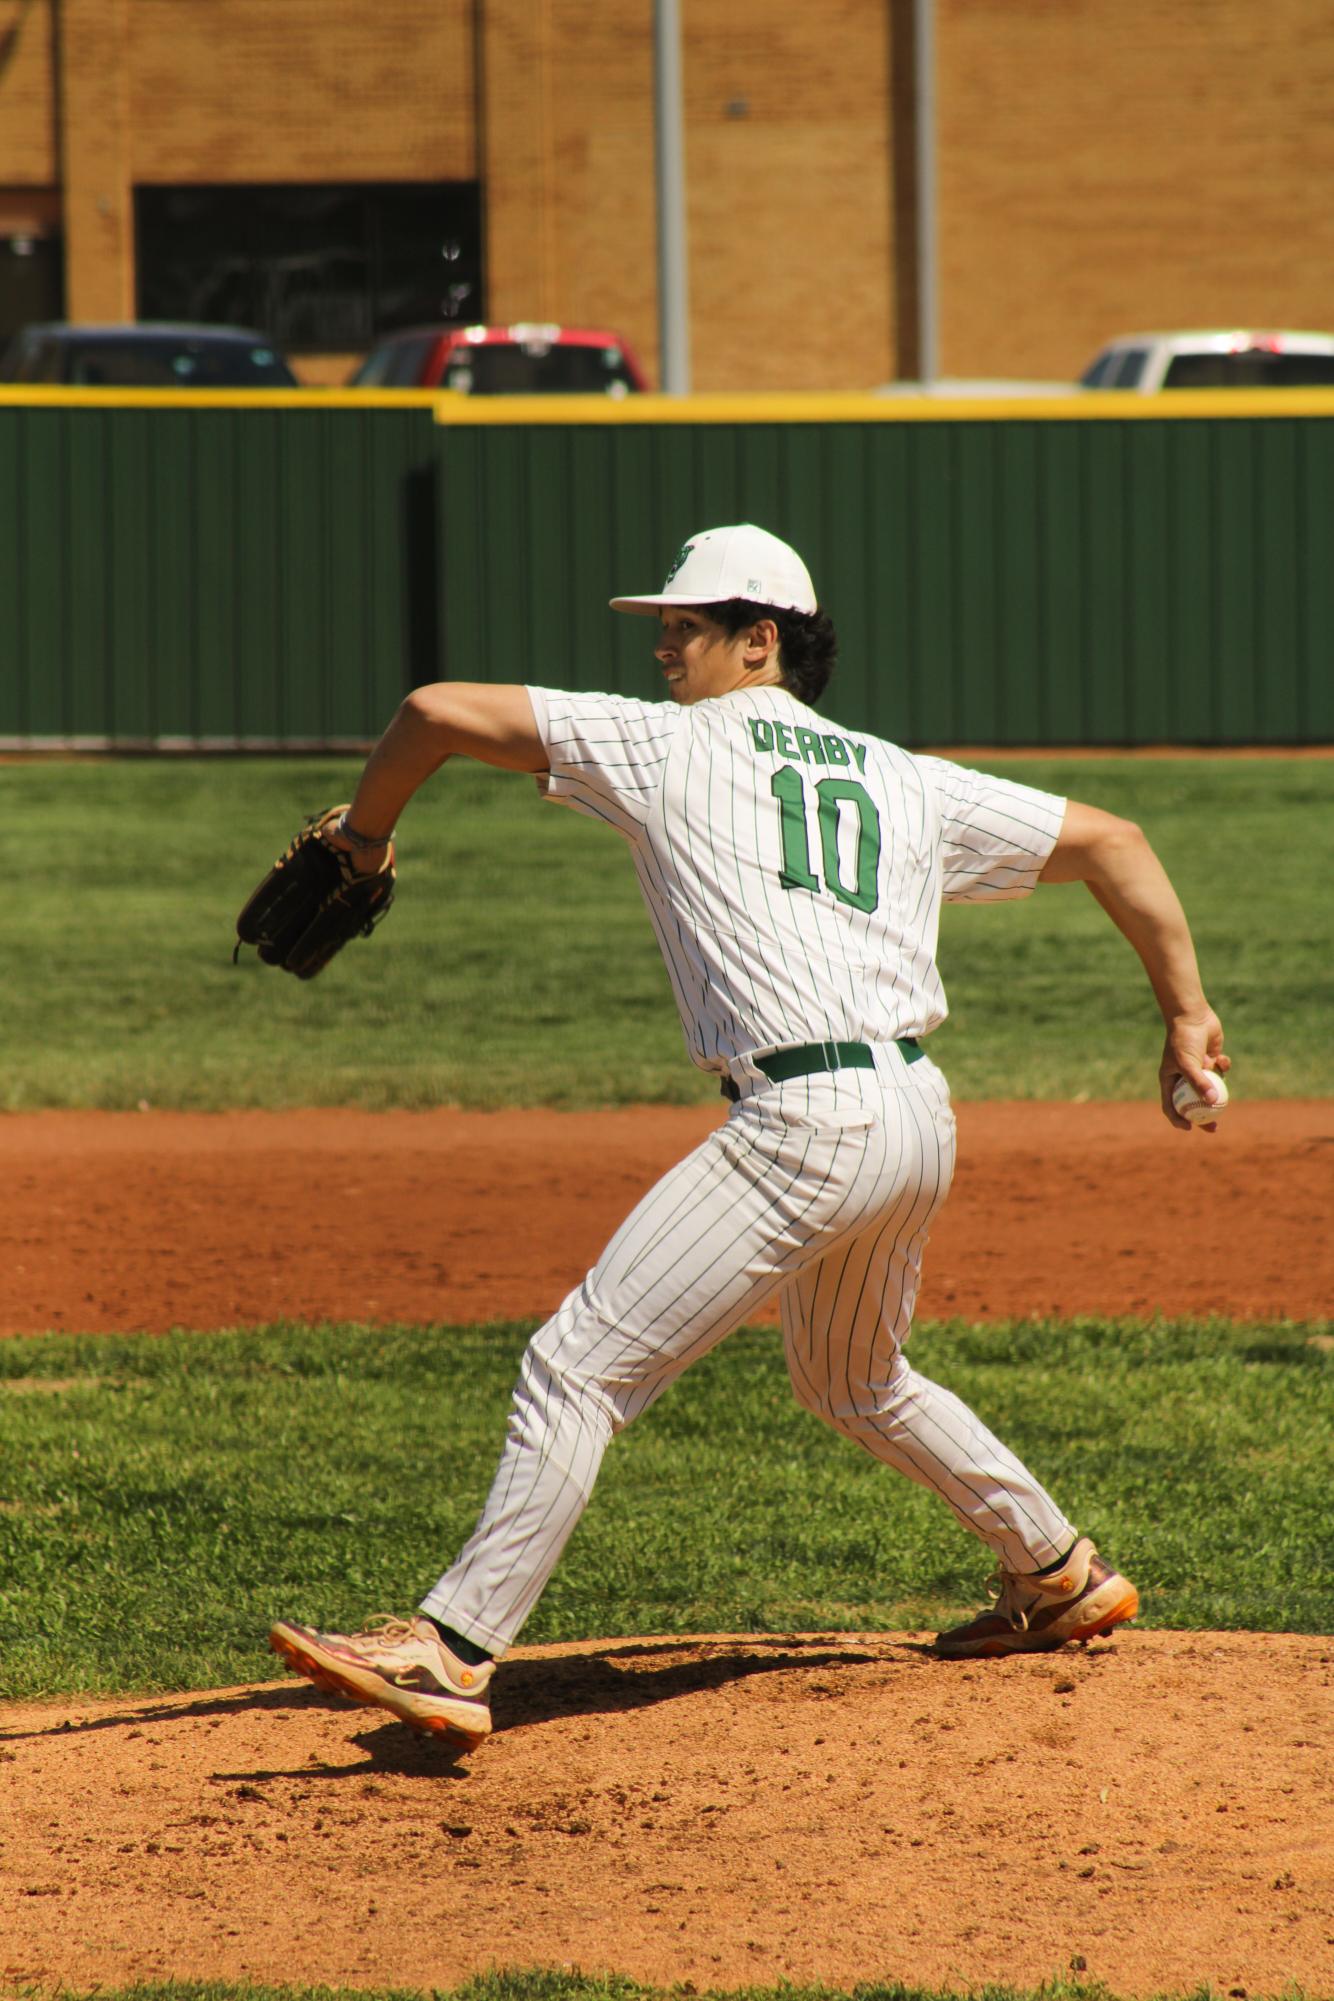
(395, 364)
(1254, 368)
(175, 364)
(1116, 368)
(1095, 376)
(534, 368)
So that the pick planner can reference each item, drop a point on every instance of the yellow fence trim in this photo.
(218, 399)
(815, 407)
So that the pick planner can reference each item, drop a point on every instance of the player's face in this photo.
(699, 657)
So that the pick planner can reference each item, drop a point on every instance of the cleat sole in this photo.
(1003, 1646)
(1125, 1608)
(451, 1736)
(314, 1671)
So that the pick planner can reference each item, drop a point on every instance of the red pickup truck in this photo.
(521, 360)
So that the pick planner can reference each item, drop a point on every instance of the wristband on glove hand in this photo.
(362, 841)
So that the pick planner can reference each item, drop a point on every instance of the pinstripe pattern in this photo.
(822, 1188)
(752, 965)
(845, 1320)
(837, 1216)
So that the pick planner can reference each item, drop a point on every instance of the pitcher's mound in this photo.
(1151, 1812)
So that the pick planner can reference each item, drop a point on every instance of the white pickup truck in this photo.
(1235, 358)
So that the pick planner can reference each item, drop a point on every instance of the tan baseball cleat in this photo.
(397, 1664)
(1031, 1615)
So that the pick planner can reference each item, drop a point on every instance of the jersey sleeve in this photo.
(996, 835)
(606, 753)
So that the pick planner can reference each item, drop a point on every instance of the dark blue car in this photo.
(149, 355)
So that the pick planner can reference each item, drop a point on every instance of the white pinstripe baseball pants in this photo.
(824, 1186)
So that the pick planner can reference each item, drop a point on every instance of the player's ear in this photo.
(761, 643)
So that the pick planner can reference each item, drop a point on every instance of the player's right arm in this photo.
(478, 719)
(1114, 859)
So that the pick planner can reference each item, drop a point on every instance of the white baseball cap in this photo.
(739, 562)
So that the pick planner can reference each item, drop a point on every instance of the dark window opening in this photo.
(32, 280)
(315, 268)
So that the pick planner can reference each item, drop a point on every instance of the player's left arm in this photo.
(1114, 857)
(492, 722)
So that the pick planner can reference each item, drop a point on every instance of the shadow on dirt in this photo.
(162, 1709)
(615, 1681)
(638, 1676)
(621, 1677)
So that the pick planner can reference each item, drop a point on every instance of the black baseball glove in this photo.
(312, 901)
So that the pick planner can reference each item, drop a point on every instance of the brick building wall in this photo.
(28, 144)
(306, 90)
(790, 202)
(1110, 169)
(1099, 169)
(786, 144)
(566, 92)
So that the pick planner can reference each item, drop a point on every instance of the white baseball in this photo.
(1200, 1111)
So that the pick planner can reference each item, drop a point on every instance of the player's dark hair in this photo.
(807, 642)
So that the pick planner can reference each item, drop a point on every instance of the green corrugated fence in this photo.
(250, 571)
(181, 572)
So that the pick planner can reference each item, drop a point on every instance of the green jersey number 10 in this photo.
(832, 796)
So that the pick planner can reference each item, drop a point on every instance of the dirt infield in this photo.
(1152, 1812)
(153, 1220)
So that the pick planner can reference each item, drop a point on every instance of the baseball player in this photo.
(793, 871)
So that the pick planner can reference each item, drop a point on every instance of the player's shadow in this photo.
(630, 1675)
(612, 1682)
(163, 1709)
(617, 1679)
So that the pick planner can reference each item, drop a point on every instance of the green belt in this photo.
(805, 1059)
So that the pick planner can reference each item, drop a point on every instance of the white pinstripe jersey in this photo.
(793, 870)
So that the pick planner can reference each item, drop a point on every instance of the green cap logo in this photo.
(680, 559)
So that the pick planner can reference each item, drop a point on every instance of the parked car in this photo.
(1235, 358)
(520, 360)
(151, 354)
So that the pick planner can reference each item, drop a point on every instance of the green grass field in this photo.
(518, 966)
(264, 1474)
